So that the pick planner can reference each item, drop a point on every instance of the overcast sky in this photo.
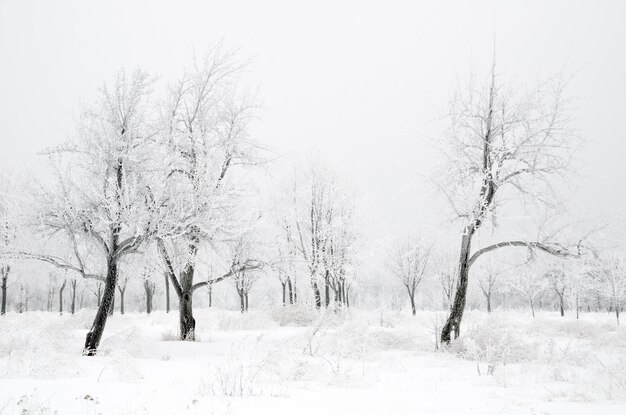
(359, 82)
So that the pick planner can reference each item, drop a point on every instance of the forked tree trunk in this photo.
(61, 297)
(122, 291)
(92, 340)
(453, 324)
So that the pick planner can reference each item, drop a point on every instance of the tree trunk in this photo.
(122, 291)
(412, 297)
(561, 306)
(242, 304)
(61, 297)
(327, 288)
(532, 307)
(92, 340)
(112, 308)
(187, 322)
(167, 294)
(290, 287)
(617, 309)
(577, 306)
(284, 285)
(210, 295)
(246, 301)
(316, 293)
(148, 297)
(73, 305)
(3, 309)
(488, 303)
(453, 324)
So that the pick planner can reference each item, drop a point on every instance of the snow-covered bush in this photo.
(294, 316)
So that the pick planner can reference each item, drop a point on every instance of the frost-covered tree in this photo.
(529, 283)
(204, 139)
(408, 264)
(502, 144)
(99, 206)
(609, 278)
(559, 283)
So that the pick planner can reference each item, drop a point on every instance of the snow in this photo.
(284, 361)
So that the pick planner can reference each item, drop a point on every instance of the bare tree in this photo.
(408, 263)
(101, 205)
(503, 146)
(121, 288)
(609, 276)
(559, 282)
(530, 284)
(205, 122)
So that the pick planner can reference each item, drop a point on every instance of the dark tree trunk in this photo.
(348, 297)
(112, 308)
(92, 340)
(149, 289)
(73, 287)
(245, 297)
(290, 288)
(532, 307)
(453, 324)
(412, 297)
(242, 303)
(327, 287)
(5, 276)
(284, 285)
(61, 297)
(488, 302)
(210, 295)
(187, 322)
(167, 293)
(561, 306)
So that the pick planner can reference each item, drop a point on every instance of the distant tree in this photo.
(530, 284)
(609, 274)
(408, 264)
(559, 282)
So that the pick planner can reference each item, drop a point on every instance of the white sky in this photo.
(360, 82)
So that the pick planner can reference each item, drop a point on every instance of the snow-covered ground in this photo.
(288, 361)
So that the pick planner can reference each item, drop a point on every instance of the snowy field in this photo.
(286, 361)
